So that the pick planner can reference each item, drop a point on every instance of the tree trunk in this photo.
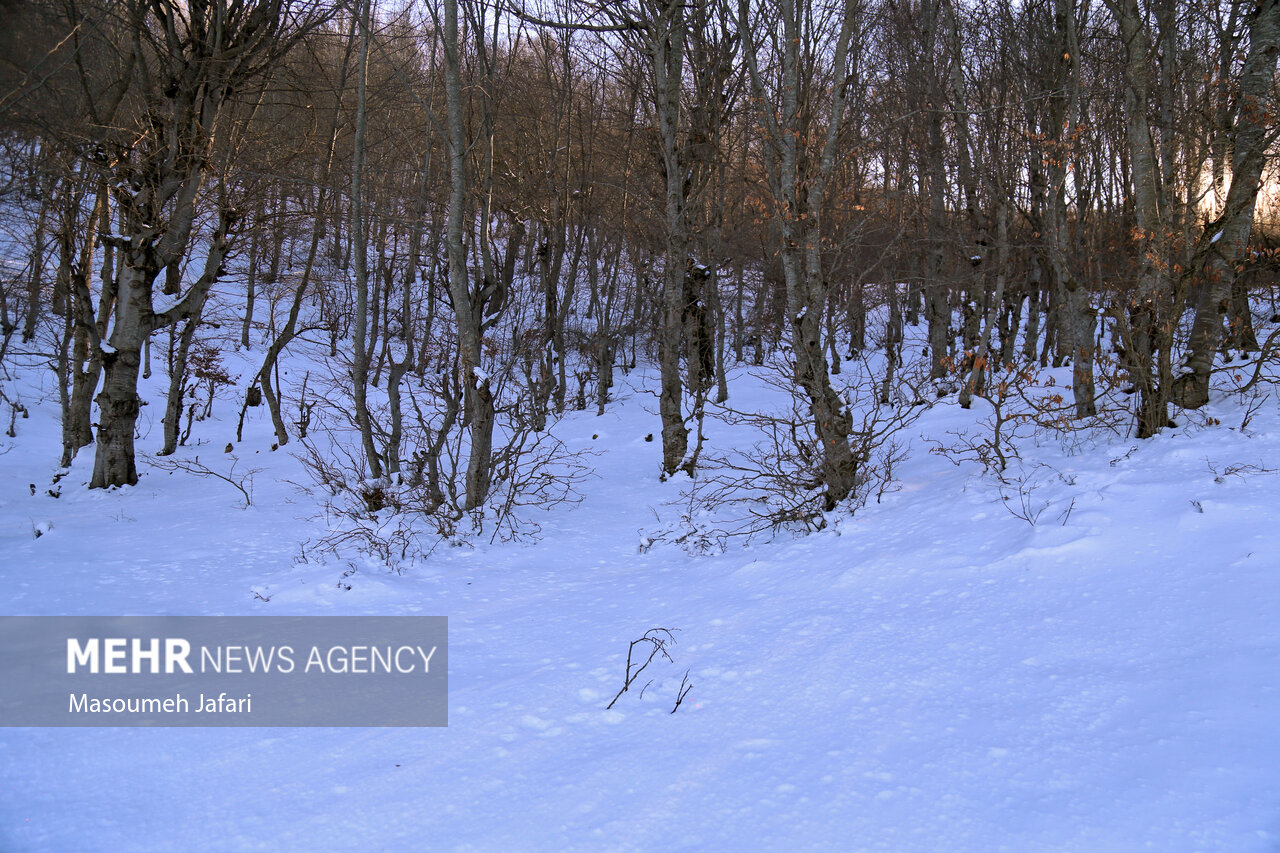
(798, 179)
(177, 387)
(1150, 329)
(118, 403)
(667, 43)
(360, 322)
(477, 396)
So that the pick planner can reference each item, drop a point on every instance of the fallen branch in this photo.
(657, 638)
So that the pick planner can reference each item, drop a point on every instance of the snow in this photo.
(162, 302)
(931, 673)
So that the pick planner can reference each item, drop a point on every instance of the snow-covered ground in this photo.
(930, 674)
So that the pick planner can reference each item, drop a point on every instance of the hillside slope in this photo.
(931, 673)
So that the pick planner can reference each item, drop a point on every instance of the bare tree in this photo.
(1249, 135)
(185, 62)
(801, 144)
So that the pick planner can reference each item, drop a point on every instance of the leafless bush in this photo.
(1024, 406)
(1251, 384)
(1018, 496)
(776, 483)
(1054, 417)
(1239, 469)
(1268, 355)
(242, 482)
(533, 470)
(413, 508)
(378, 518)
(695, 532)
(1252, 402)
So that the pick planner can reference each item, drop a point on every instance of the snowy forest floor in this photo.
(932, 673)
